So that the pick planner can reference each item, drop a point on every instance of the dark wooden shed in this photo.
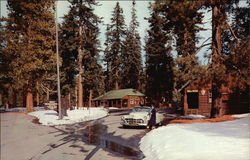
(198, 100)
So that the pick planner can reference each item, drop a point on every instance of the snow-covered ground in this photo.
(50, 117)
(228, 140)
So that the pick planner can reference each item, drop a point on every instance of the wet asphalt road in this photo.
(103, 139)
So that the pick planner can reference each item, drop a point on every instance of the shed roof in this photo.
(118, 94)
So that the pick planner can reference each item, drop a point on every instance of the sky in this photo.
(105, 9)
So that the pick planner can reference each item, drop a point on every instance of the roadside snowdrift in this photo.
(50, 117)
(199, 141)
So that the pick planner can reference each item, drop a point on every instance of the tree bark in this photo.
(76, 95)
(29, 98)
(69, 98)
(24, 96)
(47, 95)
(37, 94)
(116, 81)
(90, 98)
(14, 98)
(216, 51)
(216, 31)
(80, 80)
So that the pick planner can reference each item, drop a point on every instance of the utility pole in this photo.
(57, 66)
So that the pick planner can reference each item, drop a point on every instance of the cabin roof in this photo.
(119, 94)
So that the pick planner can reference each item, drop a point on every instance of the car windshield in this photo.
(141, 109)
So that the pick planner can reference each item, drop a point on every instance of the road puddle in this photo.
(95, 135)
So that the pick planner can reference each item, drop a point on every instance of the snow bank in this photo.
(241, 115)
(22, 109)
(193, 116)
(199, 141)
(50, 117)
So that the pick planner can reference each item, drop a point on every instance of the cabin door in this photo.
(193, 100)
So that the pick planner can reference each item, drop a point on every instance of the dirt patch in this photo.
(212, 120)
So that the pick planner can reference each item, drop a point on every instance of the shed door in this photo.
(193, 100)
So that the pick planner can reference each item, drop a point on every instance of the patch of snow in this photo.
(18, 109)
(113, 108)
(193, 116)
(241, 115)
(199, 141)
(50, 117)
(22, 109)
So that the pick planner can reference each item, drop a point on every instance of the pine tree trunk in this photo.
(47, 96)
(80, 85)
(29, 98)
(69, 98)
(37, 94)
(24, 97)
(216, 51)
(14, 98)
(76, 96)
(116, 81)
(216, 31)
(90, 98)
(1, 99)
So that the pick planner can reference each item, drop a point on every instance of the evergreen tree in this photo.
(225, 69)
(182, 19)
(131, 55)
(159, 61)
(29, 43)
(4, 79)
(79, 34)
(114, 45)
(238, 60)
(107, 59)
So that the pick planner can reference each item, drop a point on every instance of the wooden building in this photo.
(122, 98)
(198, 100)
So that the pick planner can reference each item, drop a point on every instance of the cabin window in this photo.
(131, 101)
(193, 100)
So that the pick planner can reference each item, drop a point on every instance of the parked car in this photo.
(2, 108)
(139, 116)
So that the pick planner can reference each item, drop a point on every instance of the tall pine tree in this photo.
(182, 19)
(131, 64)
(114, 44)
(159, 61)
(29, 44)
(80, 51)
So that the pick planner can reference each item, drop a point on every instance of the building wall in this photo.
(204, 101)
(125, 102)
(134, 101)
(228, 103)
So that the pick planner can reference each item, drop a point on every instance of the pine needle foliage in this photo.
(114, 43)
(30, 43)
(131, 64)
